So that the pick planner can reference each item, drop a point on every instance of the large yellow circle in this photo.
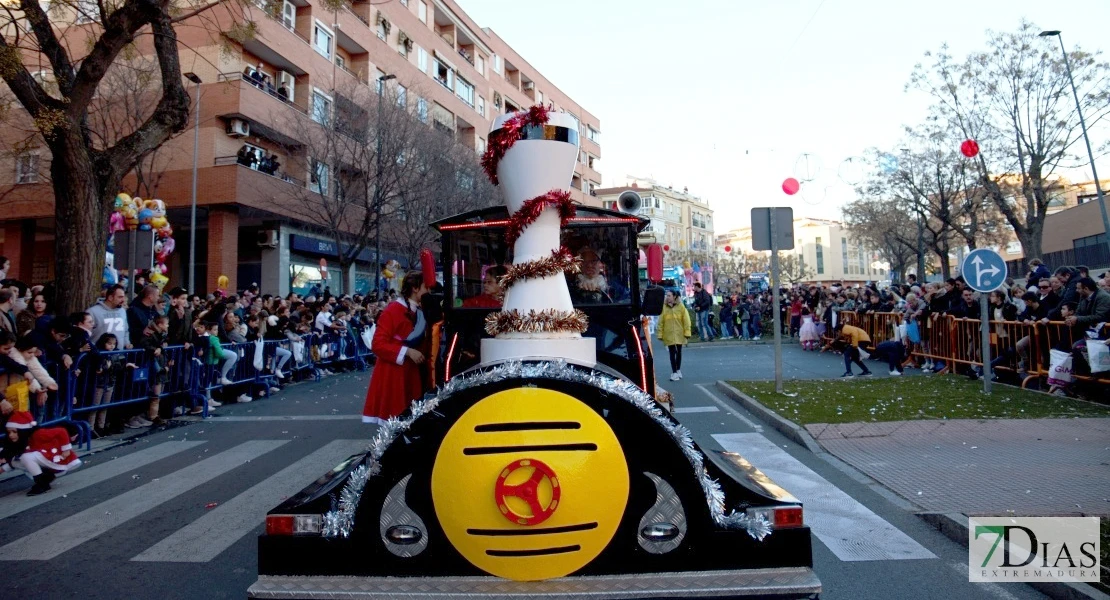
(539, 424)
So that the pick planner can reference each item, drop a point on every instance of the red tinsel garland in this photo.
(531, 209)
(508, 135)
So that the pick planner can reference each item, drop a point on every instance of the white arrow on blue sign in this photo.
(984, 270)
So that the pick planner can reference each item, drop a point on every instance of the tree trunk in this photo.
(1031, 240)
(80, 238)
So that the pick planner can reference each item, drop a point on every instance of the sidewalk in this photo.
(1023, 467)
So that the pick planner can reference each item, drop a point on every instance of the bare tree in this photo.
(1014, 100)
(86, 171)
(793, 270)
(882, 223)
(450, 181)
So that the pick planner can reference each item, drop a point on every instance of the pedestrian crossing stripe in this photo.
(207, 537)
(93, 474)
(848, 528)
(82, 527)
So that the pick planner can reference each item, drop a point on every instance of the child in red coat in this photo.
(47, 454)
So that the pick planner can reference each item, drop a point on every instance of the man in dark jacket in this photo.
(703, 303)
(1094, 306)
(1046, 297)
(141, 312)
(181, 318)
(1037, 272)
(1068, 278)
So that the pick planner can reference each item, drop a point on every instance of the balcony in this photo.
(267, 112)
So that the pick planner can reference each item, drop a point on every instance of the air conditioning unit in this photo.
(268, 238)
(238, 128)
(529, 86)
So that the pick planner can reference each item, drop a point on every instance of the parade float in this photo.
(542, 465)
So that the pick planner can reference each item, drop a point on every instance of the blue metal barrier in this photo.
(97, 382)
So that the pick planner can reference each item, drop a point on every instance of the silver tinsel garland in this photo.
(339, 522)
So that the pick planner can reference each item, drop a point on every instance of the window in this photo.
(481, 147)
(820, 257)
(401, 92)
(1085, 198)
(422, 110)
(422, 11)
(480, 64)
(539, 98)
(422, 59)
(318, 178)
(481, 106)
(87, 11)
(593, 134)
(321, 107)
(443, 74)
(383, 31)
(844, 253)
(323, 39)
(27, 168)
(863, 267)
(1091, 240)
(404, 2)
(495, 63)
(288, 15)
(340, 62)
(464, 90)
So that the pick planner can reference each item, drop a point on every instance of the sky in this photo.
(730, 97)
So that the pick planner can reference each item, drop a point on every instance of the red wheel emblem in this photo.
(528, 491)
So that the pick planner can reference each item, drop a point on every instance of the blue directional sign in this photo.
(984, 270)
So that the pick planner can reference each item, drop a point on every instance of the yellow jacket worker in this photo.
(673, 328)
(856, 339)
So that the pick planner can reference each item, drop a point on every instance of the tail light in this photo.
(780, 517)
(293, 524)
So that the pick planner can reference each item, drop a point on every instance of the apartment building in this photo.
(825, 248)
(455, 75)
(679, 219)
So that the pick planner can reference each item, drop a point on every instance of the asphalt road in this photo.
(175, 514)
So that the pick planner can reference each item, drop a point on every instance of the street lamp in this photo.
(193, 209)
(378, 189)
(1083, 125)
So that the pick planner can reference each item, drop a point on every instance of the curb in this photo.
(789, 429)
(951, 525)
(954, 527)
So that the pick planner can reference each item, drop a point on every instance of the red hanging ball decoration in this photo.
(970, 148)
(428, 267)
(666, 247)
(791, 186)
(728, 249)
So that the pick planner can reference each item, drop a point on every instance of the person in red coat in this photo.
(401, 332)
(49, 451)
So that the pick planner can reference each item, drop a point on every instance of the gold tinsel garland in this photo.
(560, 261)
(536, 321)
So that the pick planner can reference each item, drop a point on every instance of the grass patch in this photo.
(910, 398)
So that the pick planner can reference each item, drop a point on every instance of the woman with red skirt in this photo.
(401, 332)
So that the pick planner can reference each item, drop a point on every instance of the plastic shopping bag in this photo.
(368, 335)
(913, 331)
(259, 355)
(1098, 355)
(1059, 369)
(298, 351)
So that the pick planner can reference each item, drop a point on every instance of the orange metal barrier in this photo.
(959, 342)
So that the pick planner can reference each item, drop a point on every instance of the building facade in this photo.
(825, 249)
(679, 219)
(453, 74)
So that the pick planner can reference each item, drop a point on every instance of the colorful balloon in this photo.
(428, 267)
(728, 249)
(791, 186)
(970, 148)
(666, 247)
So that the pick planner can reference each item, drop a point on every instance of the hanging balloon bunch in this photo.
(144, 215)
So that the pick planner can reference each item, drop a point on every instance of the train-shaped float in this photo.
(542, 466)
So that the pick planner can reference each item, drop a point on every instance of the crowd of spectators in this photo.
(160, 333)
(1072, 299)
